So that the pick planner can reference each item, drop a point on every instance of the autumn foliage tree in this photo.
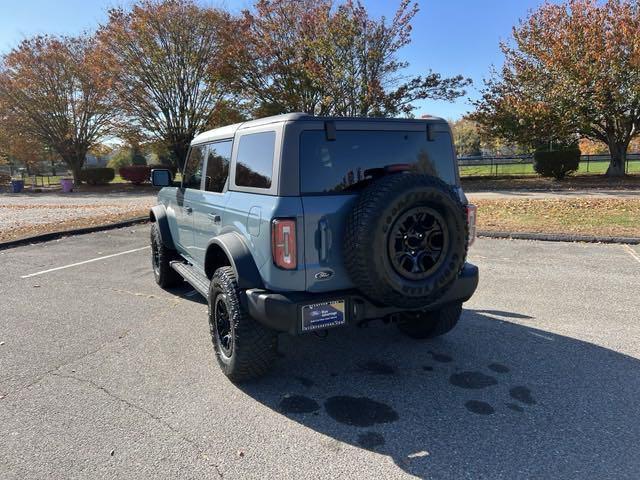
(466, 137)
(167, 57)
(325, 59)
(55, 93)
(572, 69)
(17, 146)
(21, 147)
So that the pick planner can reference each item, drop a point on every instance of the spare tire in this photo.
(406, 240)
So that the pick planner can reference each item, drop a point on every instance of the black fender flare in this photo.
(158, 214)
(239, 257)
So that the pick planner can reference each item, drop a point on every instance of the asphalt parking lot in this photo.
(104, 375)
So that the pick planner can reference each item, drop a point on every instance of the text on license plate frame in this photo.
(322, 315)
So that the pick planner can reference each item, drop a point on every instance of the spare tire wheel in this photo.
(406, 240)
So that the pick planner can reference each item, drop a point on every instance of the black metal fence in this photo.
(523, 165)
(43, 178)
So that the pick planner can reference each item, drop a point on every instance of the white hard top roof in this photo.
(229, 131)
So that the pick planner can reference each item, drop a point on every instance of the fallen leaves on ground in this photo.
(583, 216)
(70, 224)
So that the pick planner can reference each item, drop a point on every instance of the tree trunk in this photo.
(75, 162)
(75, 169)
(618, 159)
(180, 150)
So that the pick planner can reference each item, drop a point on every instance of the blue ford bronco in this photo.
(297, 223)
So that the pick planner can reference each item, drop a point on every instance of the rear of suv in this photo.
(298, 223)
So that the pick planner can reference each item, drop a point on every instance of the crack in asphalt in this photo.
(136, 294)
(52, 370)
(200, 448)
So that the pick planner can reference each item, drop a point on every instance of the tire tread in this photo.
(255, 346)
(357, 234)
(168, 277)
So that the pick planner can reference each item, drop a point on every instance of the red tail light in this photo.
(471, 221)
(283, 243)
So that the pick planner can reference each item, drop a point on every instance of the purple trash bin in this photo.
(67, 184)
(17, 186)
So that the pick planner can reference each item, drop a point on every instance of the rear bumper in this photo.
(283, 311)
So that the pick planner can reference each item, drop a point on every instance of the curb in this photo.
(559, 237)
(543, 237)
(45, 237)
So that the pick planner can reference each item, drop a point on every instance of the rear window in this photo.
(355, 158)
(254, 164)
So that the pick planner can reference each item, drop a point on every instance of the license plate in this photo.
(323, 315)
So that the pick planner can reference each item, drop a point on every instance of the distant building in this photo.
(91, 161)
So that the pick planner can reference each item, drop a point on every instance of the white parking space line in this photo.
(84, 262)
(632, 252)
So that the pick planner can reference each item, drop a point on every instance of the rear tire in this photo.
(423, 325)
(244, 348)
(161, 256)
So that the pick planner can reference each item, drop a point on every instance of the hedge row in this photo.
(136, 174)
(97, 176)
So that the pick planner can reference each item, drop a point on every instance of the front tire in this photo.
(244, 348)
(423, 325)
(161, 257)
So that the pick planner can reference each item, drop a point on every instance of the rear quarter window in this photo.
(354, 158)
(254, 162)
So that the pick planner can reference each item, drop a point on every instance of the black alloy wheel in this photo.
(155, 257)
(416, 242)
(223, 327)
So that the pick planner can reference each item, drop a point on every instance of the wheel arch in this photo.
(158, 215)
(230, 250)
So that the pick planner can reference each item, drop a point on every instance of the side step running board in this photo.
(197, 280)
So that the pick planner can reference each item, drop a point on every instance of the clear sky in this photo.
(449, 36)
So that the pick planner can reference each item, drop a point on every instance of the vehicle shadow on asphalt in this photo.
(491, 399)
(187, 292)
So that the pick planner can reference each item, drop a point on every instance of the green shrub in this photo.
(557, 163)
(136, 174)
(97, 176)
(137, 158)
(121, 158)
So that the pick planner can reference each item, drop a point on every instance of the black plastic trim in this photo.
(159, 215)
(240, 258)
(281, 311)
(330, 130)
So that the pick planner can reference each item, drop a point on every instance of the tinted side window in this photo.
(217, 166)
(193, 169)
(255, 160)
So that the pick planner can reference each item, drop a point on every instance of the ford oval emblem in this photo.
(324, 275)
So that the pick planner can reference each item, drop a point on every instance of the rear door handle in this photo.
(325, 239)
(189, 210)
(214, 217)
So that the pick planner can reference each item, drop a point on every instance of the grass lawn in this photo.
(55, 180)
(595, 168)
(605, 217)
(535, 182)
